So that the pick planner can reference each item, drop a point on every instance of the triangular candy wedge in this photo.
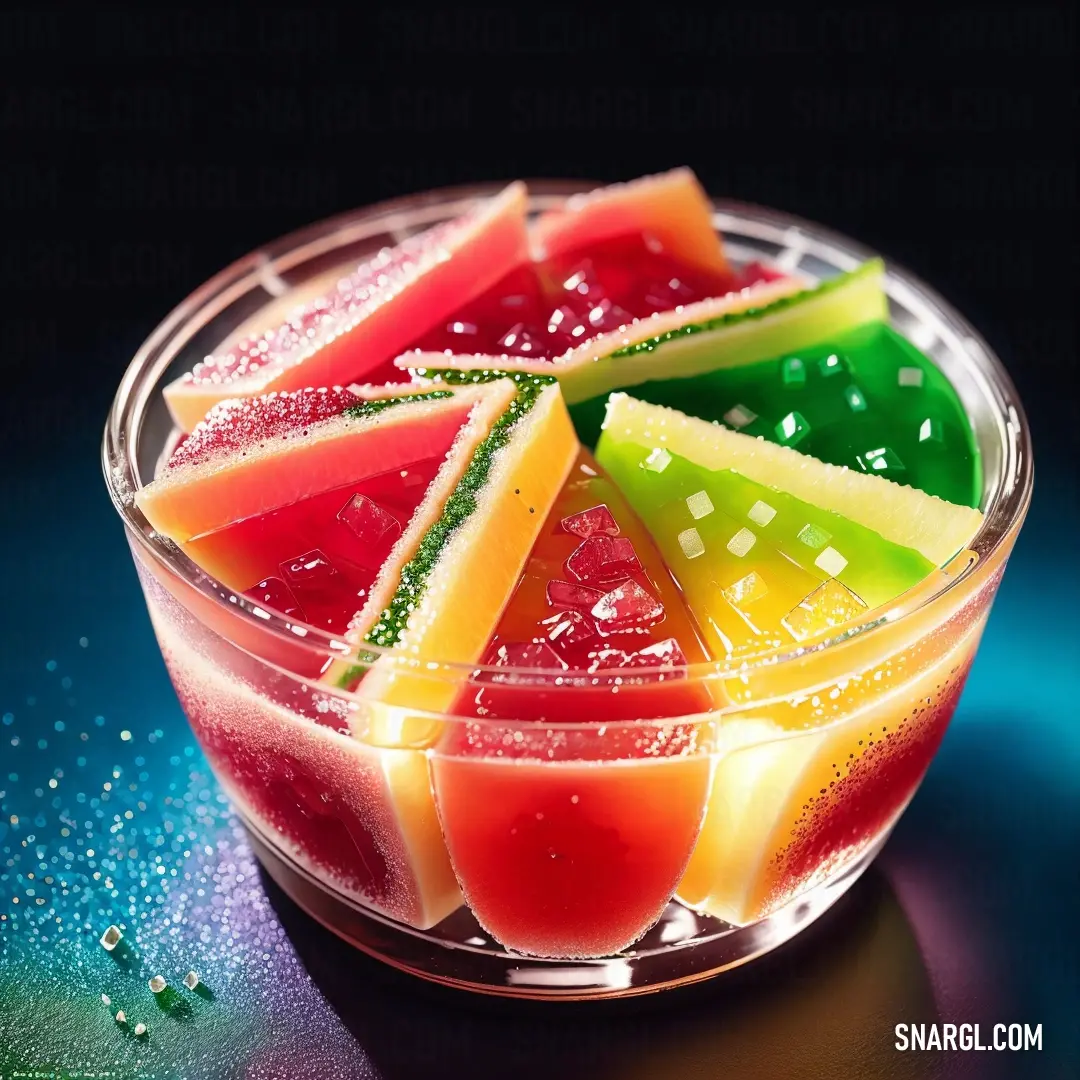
(298, 499)
(460, 562)
(766, 319)
(671, 208)
(557, 853)
(351, 334)
(594, 609)
(358, 818)
(775, 550)
(303, 500)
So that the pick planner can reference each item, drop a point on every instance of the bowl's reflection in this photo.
(824, 1005)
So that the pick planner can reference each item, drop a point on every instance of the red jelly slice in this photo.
(320, 555)
(547, 308)
(569, 859)
(348, 813)
(353, 332)
(602, 603)
(570, 842)
(842, 820)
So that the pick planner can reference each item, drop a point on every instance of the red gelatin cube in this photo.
(603, 559)
(583, 283)
(567, 595)
(311, 573)
(273, 593)
(523, 340)
(606, 316)
(627, 607)
(623, 556)
(608, 660)
(660, 654)
(596, 521)
(570, 628)
(590, 559)
(369, 523)
(667, 294)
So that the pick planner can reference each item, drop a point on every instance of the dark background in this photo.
(140, 151)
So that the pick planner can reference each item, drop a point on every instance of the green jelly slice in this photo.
(864, 397)
(760, 564)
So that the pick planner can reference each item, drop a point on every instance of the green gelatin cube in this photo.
(881, 460)
(931, 430)
(855, 399)
(792, 429)
(831, 365)
(657, 461)
(793, 372)
(813, 536)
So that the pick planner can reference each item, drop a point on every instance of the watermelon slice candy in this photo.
(770, 317)
(553, 853)
(796, 548)
(353, 334)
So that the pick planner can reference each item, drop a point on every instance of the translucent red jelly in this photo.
(544, 309)
(568, 858)
(866, 800)
(322, 794)
(315, 560)
(595, 608)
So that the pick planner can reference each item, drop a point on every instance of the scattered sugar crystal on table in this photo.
(111, 938)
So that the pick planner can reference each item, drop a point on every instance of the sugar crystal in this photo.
(761, 513)
(657, 461)
(741, 543)
(699, 504)
(691, 543)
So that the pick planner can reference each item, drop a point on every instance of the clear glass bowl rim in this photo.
(1002, 514)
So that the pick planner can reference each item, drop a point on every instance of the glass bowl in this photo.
(611, 853)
